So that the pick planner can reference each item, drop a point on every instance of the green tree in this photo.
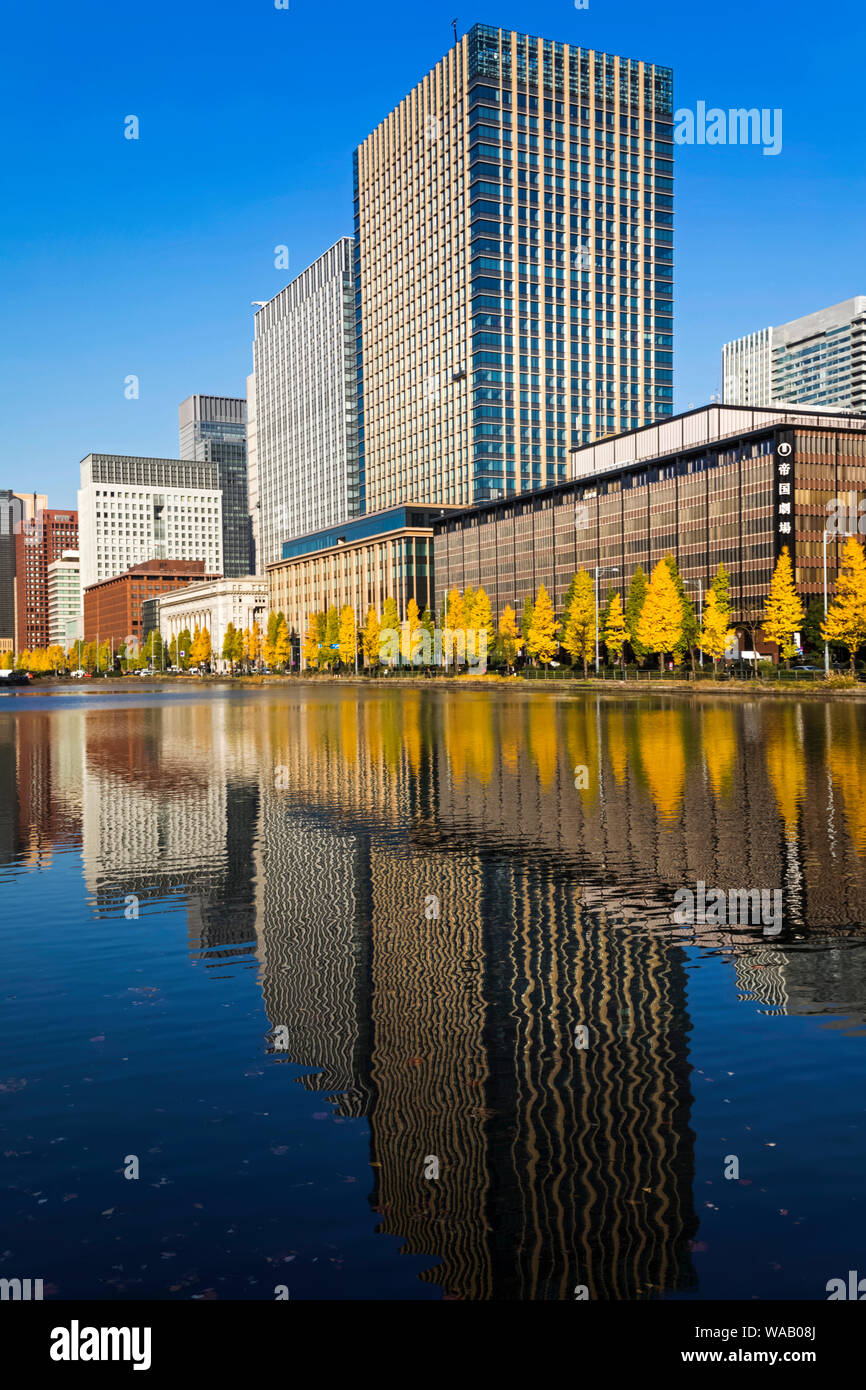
(634, 603)
(721, 587)
(811, 629)
(391, 626)
(331, 648)
(184, 649)
(429, 626)
(232, 646)
(526, 617)
(153, 650)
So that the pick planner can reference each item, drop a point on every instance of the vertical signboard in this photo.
(784, 530)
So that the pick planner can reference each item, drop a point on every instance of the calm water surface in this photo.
(291, 950)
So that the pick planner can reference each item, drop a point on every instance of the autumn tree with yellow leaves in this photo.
(783, 611)
(314, 636)
(660, 626)
(579, 632)
(715, 636)
(846, 617)
(347, 636)
(615, 634)
(510, 635)
(370, 638)
(542, 642)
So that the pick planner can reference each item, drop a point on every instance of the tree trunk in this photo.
(661, 663)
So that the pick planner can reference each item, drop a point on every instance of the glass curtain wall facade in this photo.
(304, 377)
(213, 429)
(514, 268)
(817, 360)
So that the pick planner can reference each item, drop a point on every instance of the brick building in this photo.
(42, 538)
(112, 608)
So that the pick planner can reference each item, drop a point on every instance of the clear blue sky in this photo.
(142, 257)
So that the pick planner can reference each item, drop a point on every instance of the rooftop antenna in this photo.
(454, 27)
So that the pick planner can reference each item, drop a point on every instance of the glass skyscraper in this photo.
(513, 267)
(304, 383)
(819, 359)
(213, 430)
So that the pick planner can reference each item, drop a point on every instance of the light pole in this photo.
(614, 569)
(826, 647)
(700, 584)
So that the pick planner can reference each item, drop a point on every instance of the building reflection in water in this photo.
(441, 894)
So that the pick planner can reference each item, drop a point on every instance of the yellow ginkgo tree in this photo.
(660, 625)
(783, 611)
(542, 640)
(846, 617)
(579, 633)
(715, 636)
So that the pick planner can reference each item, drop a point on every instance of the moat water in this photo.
(390, 994)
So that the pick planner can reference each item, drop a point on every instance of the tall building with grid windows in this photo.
(213, 429)
(817, 360)
(42, 537)
(134, 509)
(305, 410)
(513, 267)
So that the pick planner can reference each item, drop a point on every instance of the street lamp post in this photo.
(826, 647)
(596, 620)
(614, 569)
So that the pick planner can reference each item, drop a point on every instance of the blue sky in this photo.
(141, 257)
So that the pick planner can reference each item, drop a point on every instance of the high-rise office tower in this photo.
(136, 509)
(253, 478)
(306, 404)
(11, 516)
(514, 268)
(39, 540)
(819, 359)
(213, 429)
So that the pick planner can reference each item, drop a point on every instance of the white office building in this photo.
(306, 403)
(136, 509)
(213, 605)
(64, 600)
(818, 360)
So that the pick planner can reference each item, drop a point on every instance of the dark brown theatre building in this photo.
(112, 608)
(722, 484)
